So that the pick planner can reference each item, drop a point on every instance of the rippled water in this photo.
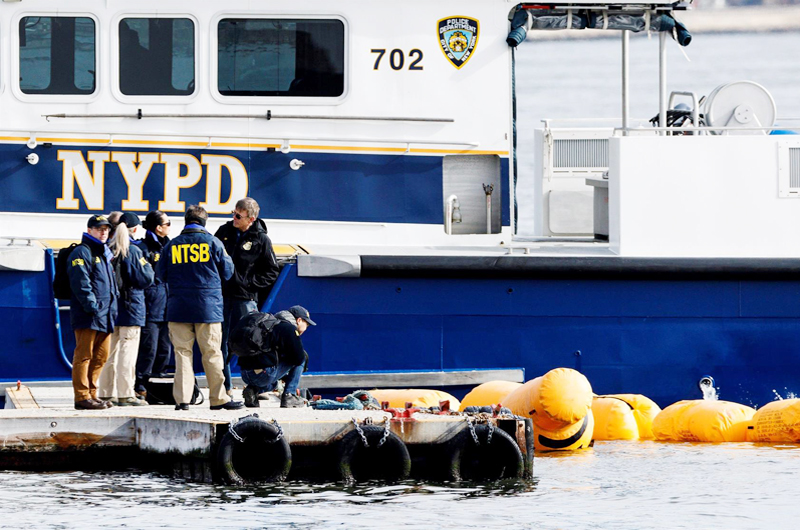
(615, 485)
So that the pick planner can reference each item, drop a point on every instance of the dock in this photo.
(40, 429)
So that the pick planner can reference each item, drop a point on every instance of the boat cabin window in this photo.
(280, 57)
(156, 56)
(57, 55)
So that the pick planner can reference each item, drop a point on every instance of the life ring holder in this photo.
(253, 451)
(483, 452)
(372, 452)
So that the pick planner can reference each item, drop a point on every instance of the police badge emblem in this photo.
(247, 245)
(458, 37)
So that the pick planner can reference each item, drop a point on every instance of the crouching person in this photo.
(270, 349)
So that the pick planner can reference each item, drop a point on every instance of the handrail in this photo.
(268, 116)
(276, 287)
(50, 265)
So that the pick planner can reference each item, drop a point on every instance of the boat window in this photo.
(156, 56)
(57, 55)
(280, 57)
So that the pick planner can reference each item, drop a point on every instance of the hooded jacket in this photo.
(93, 304)
(255, 265)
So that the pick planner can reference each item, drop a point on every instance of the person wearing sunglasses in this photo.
(255, 269)
(155, 347)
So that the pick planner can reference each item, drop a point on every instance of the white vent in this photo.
(580, 153)
(789, 169)
(794, 168)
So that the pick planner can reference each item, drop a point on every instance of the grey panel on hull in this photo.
(21, 255)
(328, 266)
(409, 379)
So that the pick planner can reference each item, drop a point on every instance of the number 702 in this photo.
(397, 59)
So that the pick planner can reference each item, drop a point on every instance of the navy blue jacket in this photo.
(194, 265)
(155, 296)
(93, 304)
(137, 274)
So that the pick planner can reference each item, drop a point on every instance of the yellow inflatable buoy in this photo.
(624, 417)
(560, 405)
(491, 393)
(418, 397)
(703, 421)
(778, 421)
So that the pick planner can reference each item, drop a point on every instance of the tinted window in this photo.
(56, 55)
(280, 57)
(156, 56)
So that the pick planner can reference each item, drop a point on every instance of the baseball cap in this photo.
(98, 220)
(130, 219)
(301, 312)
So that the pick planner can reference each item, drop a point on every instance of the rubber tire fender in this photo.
(393, 454)
(505, 454)
(256, 433)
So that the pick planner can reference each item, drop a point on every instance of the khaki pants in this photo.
(209, 339)
(91, 352)
(119, 372)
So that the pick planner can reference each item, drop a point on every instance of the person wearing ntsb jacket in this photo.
(154, 346)
(119, 373)
(194, 265)
(255, 269)
(92, 310)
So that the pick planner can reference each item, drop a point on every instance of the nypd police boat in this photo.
(383, 158)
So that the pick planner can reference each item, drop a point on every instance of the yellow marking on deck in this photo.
(235, 144)
(159, 143)
(74, 140)
(285, 250)
(57, 244)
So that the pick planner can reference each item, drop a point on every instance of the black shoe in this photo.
(250, 397)
(230, 405)
(292, 401)
(182, 406)
(89, 404)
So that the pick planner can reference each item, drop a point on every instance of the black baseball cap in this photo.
(301, 312)
(130, 219)
(98, 220)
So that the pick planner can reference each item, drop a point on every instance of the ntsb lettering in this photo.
(190, 252)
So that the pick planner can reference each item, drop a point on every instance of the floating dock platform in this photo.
(40, 429)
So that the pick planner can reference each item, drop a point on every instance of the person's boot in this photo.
(292, 401)
(250, 397)
(89, 404)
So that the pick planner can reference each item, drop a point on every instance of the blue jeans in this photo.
(265, 381)
(232, 312)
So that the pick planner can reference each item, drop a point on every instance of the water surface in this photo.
(615, 485)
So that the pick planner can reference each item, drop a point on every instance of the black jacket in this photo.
(282, 344)
(255, 266)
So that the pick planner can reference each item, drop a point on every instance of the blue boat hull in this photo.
(649, 336)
